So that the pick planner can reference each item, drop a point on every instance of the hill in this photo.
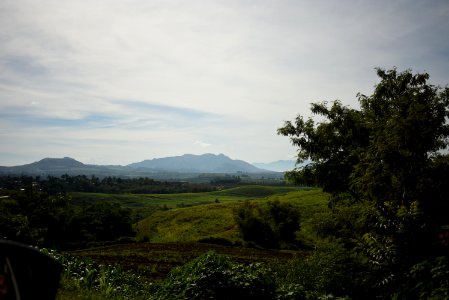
(61, 166)
(206, 163)
(216, 220)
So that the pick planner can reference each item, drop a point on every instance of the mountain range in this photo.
(189, 163)
(158, 168)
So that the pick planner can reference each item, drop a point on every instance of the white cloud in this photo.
(202, 144)
(147, 78)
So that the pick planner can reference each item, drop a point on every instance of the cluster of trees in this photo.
(109, 185)
(32, 216)
(227, 180)
(389, 160)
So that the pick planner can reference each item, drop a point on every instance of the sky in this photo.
(117, 82)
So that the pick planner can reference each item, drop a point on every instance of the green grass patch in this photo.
(191, 224)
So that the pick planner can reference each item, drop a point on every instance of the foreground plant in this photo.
(100, 281)
(214, 276)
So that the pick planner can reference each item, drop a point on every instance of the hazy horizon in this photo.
(117, 82)
(216, 154)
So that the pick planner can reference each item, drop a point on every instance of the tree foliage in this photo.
(271, 226)
(32, 216)
(389, 153)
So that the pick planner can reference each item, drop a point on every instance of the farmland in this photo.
(172, 236)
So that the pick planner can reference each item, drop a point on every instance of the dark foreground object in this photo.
(26, 273)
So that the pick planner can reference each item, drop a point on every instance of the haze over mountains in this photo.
(277, 166)
(206, 163)
(185, 164)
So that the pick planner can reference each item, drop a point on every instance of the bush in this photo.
(270, 226)
(213, 276)
(329, 270)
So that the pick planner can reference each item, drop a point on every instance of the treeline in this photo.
(108, 185)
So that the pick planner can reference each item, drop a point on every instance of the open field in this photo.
(189, 199)
(174, 233)
(216, 220)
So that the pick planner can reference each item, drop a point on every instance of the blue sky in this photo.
(116, 82)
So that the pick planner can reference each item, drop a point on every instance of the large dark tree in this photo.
(390, 153)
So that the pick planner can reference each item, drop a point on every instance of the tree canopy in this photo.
(390, 153)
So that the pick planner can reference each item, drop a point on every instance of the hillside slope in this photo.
(216, 220)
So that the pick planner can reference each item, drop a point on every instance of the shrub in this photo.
(428, 279)
(329, 270)
(214, 276)
(270, 226)
(82, 276)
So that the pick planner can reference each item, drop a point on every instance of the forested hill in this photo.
(61, 166)
(169, 167)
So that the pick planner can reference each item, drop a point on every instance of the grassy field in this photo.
(191, 225)
(145, 205)
(216, 220)
(184, 199)
(191, 217)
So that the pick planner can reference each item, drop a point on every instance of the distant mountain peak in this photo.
(49, 162)
(192, 163)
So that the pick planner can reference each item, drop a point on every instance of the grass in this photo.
(175, 231)
(216, 220)
(183, 199)
(145, 205)
(189, 224)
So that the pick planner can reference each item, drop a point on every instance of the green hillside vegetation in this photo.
(217, 220)
(174, 235)
(189, 224)
(180, 199)
(144, 205)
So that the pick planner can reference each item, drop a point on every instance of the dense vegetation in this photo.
(270, 226)
(110, 185)
(31, 216)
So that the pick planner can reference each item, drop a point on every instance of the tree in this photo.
(270, 226)
(387, 153)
